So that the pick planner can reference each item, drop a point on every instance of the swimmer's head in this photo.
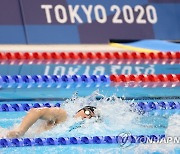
(86, 112)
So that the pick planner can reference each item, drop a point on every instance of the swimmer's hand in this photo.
(14, 134)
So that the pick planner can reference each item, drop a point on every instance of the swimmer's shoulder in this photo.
(55, 113)
(60, 113)
(52, 110)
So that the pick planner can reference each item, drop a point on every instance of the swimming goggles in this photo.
(89, 111)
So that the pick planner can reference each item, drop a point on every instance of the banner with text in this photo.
(88, 21)
(97, 21)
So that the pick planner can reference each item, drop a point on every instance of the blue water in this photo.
(85, 90)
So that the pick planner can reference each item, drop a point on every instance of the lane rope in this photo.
(87, 55)
(145, 78)
(121, 140)
(56, 81)
(137, 107)
(28, 81)
(25, 106)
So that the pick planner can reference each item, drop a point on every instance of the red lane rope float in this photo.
(88, 55)
(145, 78)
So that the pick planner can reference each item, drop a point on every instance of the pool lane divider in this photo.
(56, 81)
(87, 55)
(121, 140)
(25, 106)
(145, 78)
(45, 81)
(145, 107)
(140, 107)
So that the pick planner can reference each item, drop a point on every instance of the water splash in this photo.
(164, 147)
(117, 118)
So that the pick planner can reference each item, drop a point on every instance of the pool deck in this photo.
(64, 47)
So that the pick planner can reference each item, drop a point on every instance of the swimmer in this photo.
(52, 116)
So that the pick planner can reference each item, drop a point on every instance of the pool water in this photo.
(116, 118)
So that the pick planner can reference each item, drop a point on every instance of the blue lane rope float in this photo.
(24, 142)
(25, 106)
(28, 81)
(139, 106)
(144, 107)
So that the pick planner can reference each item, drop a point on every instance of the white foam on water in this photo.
(4, 131)
(115, 113)
(173, 130)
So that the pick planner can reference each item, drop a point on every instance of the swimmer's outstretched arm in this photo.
(52, 115)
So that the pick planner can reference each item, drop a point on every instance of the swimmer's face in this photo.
(85, 113)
